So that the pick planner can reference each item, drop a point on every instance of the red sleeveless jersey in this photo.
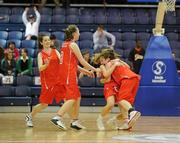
(68, 65)
(123, 72)
(48, 76)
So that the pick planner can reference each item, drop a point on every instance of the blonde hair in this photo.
(105, 53)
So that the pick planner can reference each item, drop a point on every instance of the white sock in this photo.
(57, 117)
(100, 117)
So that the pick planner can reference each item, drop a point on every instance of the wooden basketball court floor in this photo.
(13, 130)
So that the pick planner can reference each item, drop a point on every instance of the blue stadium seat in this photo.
(119, 52)
(144, 43)
(127, 12)
(72, 11)
(113, 19)
(118, 35)
(177, 52)
(14, 18)
(113, 12)
(172, 36)
(118, 45)
(129, 44)
(86, 81)
(72, 19)
(36, 51)
(86, 44)
(128, 19)
(143, 12)
(15, 35)
(35, 71)
(152, 20)
(152, 12)
(56, 19)
(5, 10)
(143, 36)
(59, 11)
(6, 18)
(17, 42)
(86, 36)
(3, 43)
(174, 44)
(170, 19)
(29, 44)
(46, 19)
(45, 11)
(86, 19)
(17, 10)
(86, 11)
(22, 90)
(31, 52)
(100, 19)
(24, 80)
(98, 83)
(142, 20)
(44, 33)
(126, 53)
(35, 62)
(59, 35)
(3, 35)
(128, 36)
(99, 12)
(7, 91)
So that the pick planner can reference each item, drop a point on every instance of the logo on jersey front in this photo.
(159, 68)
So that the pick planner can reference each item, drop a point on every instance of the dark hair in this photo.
(69, 32)
(40, 39)
(11, 42)
(31, 16)
(52, 37)
(101, 27)
(106, 53)
(25, 50)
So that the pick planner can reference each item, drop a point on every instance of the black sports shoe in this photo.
(59, 123)
(76, 125)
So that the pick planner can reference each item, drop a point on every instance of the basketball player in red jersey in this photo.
(128, 82)
(48, 61)
(71, 54)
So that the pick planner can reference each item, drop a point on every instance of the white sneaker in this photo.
(124, 126)
(112, 122)
(28, 119)
(76, 125)
(59, 123)
(100, 124)
(134, 115)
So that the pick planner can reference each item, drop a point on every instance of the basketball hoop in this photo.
(170, 5)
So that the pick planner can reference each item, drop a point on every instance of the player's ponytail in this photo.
(69, 32)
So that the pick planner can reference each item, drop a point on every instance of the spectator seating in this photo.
(126, 24)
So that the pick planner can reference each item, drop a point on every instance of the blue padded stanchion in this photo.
(159, 88)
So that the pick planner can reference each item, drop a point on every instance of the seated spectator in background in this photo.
(136, 56)
(8, 64)
(24, 63)
(100, 39)
(87, 56)
(177, 62)
(12, 47)
(54, 42)
(32, 24)
(1, 56)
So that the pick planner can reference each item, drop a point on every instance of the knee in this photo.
(44, 105)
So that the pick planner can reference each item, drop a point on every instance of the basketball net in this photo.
(163, 6)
